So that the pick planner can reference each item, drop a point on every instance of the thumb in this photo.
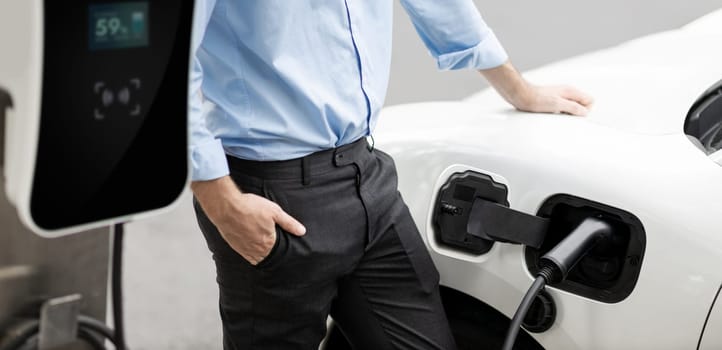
(289, 224)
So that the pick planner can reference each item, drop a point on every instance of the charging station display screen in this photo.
(118, 25)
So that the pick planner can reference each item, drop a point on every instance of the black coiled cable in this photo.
(90, 330)
(117, 287)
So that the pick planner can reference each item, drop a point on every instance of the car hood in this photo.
(645, 85)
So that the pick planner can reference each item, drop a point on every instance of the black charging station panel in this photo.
(453, 206)
(113, 126)
(609, 272)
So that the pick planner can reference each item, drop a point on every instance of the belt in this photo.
(358, 152)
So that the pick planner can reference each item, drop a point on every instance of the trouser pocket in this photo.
(223, 252)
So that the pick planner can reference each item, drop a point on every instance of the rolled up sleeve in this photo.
(455, 34)
(208, 159)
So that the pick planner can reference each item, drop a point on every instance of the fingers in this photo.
(253, 248)
(253, 260)
(574, 102)
(572, 107)
(256, 248)
(575, 95)
(558, 99)
(288, 223)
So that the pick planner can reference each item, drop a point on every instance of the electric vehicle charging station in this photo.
(98, 90)
(93, 96)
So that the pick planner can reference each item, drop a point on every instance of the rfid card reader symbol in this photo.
(110, 99)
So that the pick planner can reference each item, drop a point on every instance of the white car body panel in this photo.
(630, 153)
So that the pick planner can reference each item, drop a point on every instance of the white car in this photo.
(648, 159)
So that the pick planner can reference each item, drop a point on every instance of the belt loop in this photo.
(371, 142)
(305, 171)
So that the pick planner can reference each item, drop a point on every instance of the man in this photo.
(310, 223)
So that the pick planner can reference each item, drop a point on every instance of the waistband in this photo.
(358, 152)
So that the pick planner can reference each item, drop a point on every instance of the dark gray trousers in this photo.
(362, 259)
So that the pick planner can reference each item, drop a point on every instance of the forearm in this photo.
(214, 195)
(509, 83)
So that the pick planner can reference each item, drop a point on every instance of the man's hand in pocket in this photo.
(246, 221)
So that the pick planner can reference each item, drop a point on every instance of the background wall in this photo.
(171, 295)
(534, 33)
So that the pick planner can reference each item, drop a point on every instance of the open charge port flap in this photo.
(453, 208)
(472, 212)
(609, 272)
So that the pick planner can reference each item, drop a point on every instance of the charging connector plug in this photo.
(556, 264)
(565, 255)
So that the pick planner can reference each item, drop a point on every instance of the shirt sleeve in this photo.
(208, 160)
(455, 34)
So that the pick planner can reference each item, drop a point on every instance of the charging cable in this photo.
(555, 266)
(90, 330)
(117, 287)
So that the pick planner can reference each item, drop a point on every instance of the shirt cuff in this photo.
(209, 161)
(487, 54)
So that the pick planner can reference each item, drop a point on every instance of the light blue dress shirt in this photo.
(280, 79)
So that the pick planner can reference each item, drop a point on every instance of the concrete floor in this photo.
(170, 289)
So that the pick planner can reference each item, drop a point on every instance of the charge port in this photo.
(611, 269)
